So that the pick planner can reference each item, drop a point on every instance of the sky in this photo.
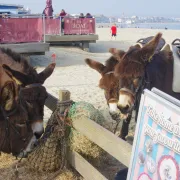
(166, 8)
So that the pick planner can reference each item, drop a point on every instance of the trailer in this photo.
(33, 34)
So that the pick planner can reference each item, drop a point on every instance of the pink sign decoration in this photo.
(17, 30)
(79, 26)
(156, 151)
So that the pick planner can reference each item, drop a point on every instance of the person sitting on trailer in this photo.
(81, 15)
(88, 15)
(62, 15)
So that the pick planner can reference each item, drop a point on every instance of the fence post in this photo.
(60, 26)
(80, 25)
(64, 95)
(94, 25)
(44, 28)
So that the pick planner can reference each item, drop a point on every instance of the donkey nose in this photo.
(124, 109)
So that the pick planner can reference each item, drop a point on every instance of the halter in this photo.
(110, 72)
(142, 84)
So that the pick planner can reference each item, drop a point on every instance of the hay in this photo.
(7, 171)
(78, 142)
(47, 156)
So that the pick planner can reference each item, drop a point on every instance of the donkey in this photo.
(141, 68)
(136, 69)
(22, 99)
(110, 84)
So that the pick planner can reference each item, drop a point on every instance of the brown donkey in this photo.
(110, 84)
(22, 99)
(135, 70)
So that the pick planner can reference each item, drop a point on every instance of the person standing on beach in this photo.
(113, 31)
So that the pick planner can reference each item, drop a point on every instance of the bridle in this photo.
(144, 81)
(9, 125)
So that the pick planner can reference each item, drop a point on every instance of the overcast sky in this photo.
(167, 8)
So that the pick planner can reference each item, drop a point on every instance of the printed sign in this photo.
(79, 26)
(156, 148)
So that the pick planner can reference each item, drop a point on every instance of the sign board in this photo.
(19, 30)
(52, 26)
(156, 148)
(79, 26)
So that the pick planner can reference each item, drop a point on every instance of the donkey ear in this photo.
(167, 52)
(18, 77)
(149, 49)
(46, 73)
(95, 65)
(118, 54)
(7, 96)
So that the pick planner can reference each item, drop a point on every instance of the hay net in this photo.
(80, 143)
(83, 109)
(50, 151)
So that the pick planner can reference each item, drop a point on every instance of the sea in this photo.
(172, 26)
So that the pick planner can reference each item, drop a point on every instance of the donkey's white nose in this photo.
(113, 107)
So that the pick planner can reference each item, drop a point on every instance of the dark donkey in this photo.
(141, 68)
(22, 99)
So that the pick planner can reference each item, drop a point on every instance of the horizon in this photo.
(129, 8)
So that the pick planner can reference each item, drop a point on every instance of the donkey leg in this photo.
(125, 127)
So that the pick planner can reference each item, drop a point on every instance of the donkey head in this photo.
(131, 69)
(108, 82)
(22, 102)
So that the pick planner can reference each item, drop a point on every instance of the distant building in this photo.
(13, 9)
(101, 19)
(120, 20)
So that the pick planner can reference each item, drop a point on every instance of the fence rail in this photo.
(115, 146)
(29, 28)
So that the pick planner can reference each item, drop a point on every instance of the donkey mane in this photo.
(27, 68)
(110, 64)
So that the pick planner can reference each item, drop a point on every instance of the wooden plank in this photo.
(84, 167)
(114, 145)
(71, 38)
(38, 47)
(51, 102)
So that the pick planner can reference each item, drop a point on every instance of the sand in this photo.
(73, 74)
(131, 35)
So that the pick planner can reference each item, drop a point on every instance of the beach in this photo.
(131, 35)
(71, 73)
